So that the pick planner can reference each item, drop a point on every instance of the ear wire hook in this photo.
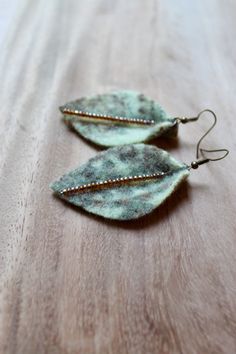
(201, 151)
(185, 120)
(208, 131)
(226, 152)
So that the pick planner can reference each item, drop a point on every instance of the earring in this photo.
(120, 118)
(127, 182)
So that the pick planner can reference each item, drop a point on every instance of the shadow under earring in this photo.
(120, 118)
(127, 182)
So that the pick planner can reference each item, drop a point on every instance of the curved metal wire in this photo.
(207, 132)
(217, 150)
(200, 151)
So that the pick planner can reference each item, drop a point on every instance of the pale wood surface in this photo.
(73, 283)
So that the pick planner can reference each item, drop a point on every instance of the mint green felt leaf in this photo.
(122, 104)
(128, 200)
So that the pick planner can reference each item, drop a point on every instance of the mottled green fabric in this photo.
(124, 104)
(128, 201)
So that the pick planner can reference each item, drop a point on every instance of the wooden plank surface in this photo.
(74, 283)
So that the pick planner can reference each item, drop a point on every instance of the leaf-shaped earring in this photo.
(127, 182)
(120, 118)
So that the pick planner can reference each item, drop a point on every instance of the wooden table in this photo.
(74, 283)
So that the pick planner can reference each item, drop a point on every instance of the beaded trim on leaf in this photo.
(111, 182)
(108, 117)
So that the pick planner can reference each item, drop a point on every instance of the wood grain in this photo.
(74, 283)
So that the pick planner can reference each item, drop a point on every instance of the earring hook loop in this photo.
(226, 152)
(200, 151)
(207, 132)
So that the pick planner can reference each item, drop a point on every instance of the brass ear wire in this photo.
(208, 131)
(217, 150)
(200, 151)
(185, 120)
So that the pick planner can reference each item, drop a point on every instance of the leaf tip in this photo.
(61, 109)
(54, 187)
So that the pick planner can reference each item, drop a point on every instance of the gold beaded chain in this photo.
(117, 119)
(111, 182)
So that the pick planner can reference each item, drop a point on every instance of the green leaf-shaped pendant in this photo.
(124, 182)
(119, 118)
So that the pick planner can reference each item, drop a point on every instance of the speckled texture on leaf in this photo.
(128, 201)
(125, 104)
